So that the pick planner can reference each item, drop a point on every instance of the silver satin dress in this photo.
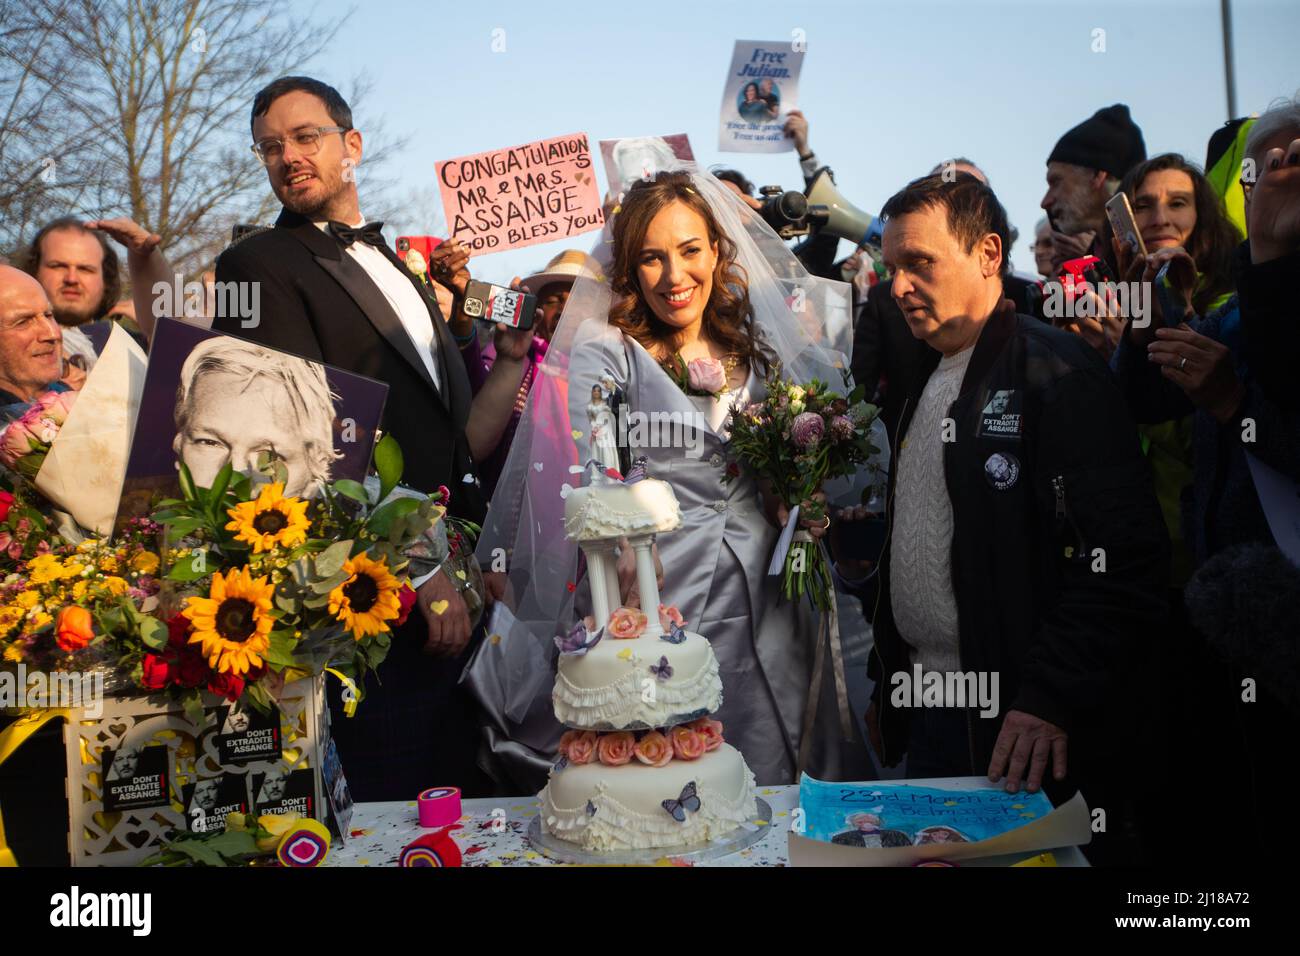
(715, 571)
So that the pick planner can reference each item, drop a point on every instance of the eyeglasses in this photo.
(271, 150)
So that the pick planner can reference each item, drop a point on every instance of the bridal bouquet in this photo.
(793, 441)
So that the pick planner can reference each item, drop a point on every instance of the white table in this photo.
(495, 834)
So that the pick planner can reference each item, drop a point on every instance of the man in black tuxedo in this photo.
(332, 291)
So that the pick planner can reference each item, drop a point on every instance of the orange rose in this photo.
(710, 730)
(669, 615)
(582, 748)
(653, 749)
(627, 623)
(74, 628)
(687, 744)
(569, 737)
(615, 749)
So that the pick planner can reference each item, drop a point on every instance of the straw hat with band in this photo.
(567, 267)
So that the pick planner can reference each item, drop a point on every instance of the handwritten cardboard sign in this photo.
(510, 198)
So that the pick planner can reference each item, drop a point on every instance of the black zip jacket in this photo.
(1059, 551)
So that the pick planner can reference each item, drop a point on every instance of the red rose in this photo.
(190, 670)
(406, 598)
(178, 632)
(229, 686)
(6, 502)
(155, 673)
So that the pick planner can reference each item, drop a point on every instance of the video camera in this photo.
(820, 209)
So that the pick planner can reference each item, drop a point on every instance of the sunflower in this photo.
(270, 519)
(233, 623)
(368, 598)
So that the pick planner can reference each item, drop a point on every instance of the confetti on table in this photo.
(360, 833)
(625, 654)
(576, 434)
(364, 861)
(532, 855)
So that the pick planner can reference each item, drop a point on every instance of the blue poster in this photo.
(880, 814)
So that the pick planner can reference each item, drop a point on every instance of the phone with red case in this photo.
(424, 245)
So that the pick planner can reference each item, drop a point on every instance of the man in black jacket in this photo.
(1026, 547)
(331, 290)
(883, 345)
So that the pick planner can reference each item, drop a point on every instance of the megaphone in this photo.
(836, 215)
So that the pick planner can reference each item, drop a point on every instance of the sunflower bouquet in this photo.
(262, 588)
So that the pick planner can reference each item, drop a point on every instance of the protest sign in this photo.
(510, 198)
(762, 88)
(641, 157)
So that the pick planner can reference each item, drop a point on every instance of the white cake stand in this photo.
(743, 837)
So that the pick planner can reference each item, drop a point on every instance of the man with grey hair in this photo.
(237, 400)
(1083, 171)
(1043, 248)
(30, 341)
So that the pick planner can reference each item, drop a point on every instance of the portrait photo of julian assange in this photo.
(212, 399)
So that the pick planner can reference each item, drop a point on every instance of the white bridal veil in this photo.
(804, 320)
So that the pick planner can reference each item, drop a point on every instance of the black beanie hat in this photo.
(1107, 140)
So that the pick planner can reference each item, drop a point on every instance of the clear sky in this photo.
(889, 89)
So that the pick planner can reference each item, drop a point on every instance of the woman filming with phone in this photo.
(1223, 375)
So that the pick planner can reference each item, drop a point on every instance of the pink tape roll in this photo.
(439, 806)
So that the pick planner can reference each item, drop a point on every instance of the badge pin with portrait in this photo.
(1002, 470)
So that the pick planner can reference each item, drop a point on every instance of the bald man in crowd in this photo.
(31, 342)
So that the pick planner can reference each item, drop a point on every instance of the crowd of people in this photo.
(1083, 504)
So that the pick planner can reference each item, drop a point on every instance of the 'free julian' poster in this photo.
(762, 88)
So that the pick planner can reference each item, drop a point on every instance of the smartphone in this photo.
(1121, 220)
(494, 303)
(423, 246)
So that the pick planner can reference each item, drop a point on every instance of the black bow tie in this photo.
(370, 233)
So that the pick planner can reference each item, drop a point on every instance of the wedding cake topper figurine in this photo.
(604, 429)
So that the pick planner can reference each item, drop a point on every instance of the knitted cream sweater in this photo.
(920, 568)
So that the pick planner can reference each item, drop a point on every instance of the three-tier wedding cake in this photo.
(643, 764)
